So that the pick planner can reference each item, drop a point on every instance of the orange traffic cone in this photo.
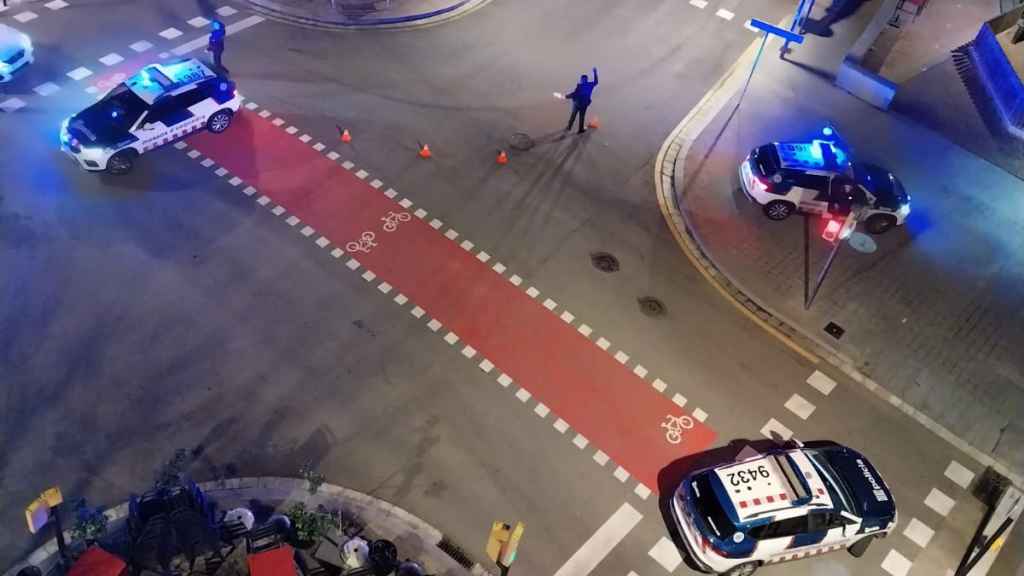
(425, 152)
(502, 157)
(594, 123)
(345, 136)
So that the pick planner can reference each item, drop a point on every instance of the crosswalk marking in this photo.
(602, 542)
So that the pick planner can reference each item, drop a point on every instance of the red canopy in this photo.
(276, 562)
(97, 562)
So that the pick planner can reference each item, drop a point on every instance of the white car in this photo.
(818, 177)
(156, 106)
(783, 505)
(15, 52)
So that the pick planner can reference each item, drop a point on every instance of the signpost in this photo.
(770, 30)
(43, 509)
(503, 544)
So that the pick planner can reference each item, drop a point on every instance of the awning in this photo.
(97, 562)
(276, 562)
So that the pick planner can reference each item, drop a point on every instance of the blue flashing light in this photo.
(827, 131)
(113, 113)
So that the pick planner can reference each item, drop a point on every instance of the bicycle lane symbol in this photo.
(367, 241)
(674, 426)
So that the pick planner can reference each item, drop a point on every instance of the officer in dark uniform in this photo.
(216, 44)
(581, 100)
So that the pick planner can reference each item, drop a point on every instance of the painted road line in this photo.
(602, 542)
(896, 564)
(702, 4)
(918, 532)
(938, 501)
(597, 395)
(799, 406)
(79, 73)
(170, 33)
(26, 16)
(724, 14)
(198, 22)
(46, 89)
(959, 474)
(12, 104)
(775, 428)
(111, 59)
(226, 11)
(821, 382)
(56, 4)
(666, 554)
(141, 46)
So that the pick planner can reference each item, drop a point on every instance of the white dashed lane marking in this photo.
(666, 554)
(602, 542)
(939, 502)
(797, 405)
(699, 4)
(56, 4)
(918, 532)
(79, 73)
(26, 16)
(12, 104)
(821, 383)
(170, 33)
(46, 89)
(111, 59)
(724, 14)
(226, 11)
(959, 474)
(896, 564)
(140, 46)
(775, 426)
(198, 22)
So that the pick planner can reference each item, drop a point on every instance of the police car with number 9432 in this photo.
(783, 505)
(157, 105)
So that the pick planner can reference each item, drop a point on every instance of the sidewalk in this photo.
(414, 538)
(365, 13)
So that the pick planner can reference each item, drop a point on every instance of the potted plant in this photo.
(309, 526)
(90, 523)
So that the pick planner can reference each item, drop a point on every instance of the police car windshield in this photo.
(837, 487)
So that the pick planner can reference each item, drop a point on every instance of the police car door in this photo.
(813, 190)
(152, 127)
(777, 540)
(828, 530)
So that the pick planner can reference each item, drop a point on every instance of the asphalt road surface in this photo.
(469, 362)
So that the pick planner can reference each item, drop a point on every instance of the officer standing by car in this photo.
(216, 44)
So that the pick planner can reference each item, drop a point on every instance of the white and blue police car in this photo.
(818, 177)
(783, 505)
(15, 52)
(155, 106)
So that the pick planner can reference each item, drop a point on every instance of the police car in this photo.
(783, 505)
(818, 177)
(15, 52)
(157, 105)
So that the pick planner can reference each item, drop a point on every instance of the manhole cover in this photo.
(834, 330)
(604, 262)
(521, 141)
(651, 306)
(862, 243)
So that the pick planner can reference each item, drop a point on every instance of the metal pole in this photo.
(754, 66)
(965, 570)
(824, 271)
(503, 570)
(807, 260)
(798, 19)
(62, 546)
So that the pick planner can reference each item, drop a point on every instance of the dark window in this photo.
(780, 529)
(811, 181)
(766, 158)
(822, 521)
(191, 98)
(710, 508)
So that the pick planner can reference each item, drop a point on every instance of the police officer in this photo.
(216, 44)
(581, 100)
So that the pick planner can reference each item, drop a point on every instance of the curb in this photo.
(273, 488)
(458, 9)
(809, 346)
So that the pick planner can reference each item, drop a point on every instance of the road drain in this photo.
(651, 306)
(456, 553)
(521, 141)
(604, 262)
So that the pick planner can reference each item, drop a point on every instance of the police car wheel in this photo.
(742, 570)
(778, 210)
(121, 163)
(879, 223)
(219, 122)
(858, 548)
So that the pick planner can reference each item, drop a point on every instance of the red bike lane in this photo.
(602, 399)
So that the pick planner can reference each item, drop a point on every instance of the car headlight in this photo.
(904, 209)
